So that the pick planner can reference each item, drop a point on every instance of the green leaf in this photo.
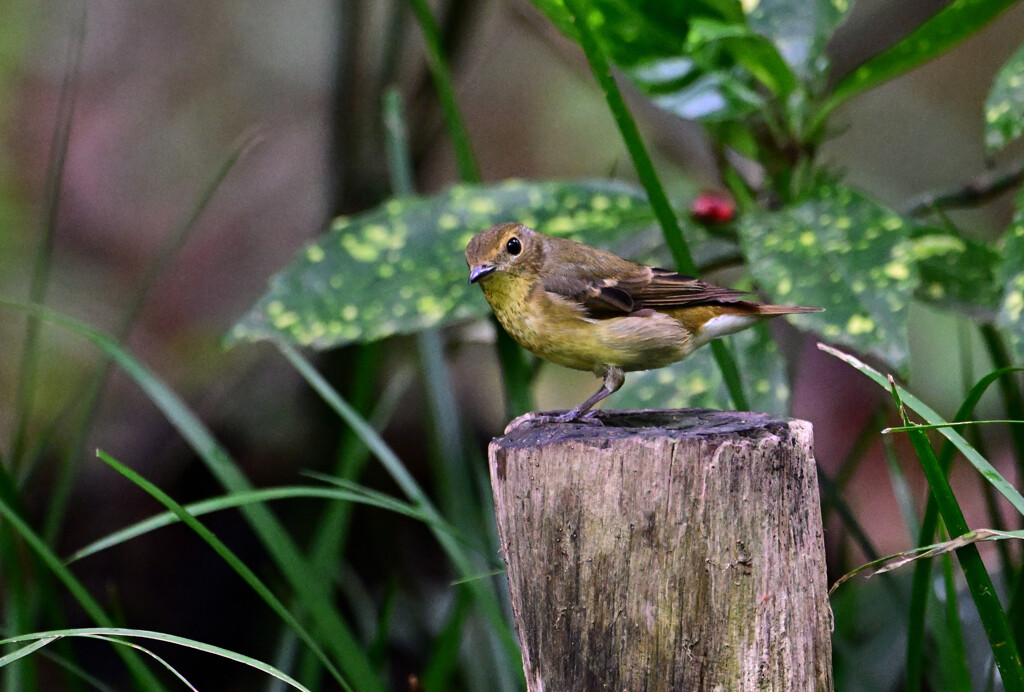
(635, 33)
(401, 267)
(697, 382)
(842, 251)
(799, 29)
(680, 87)
(957, 273)
(710, 39)
(1004, 107)
(943, 30)
(1011, 275)
(698, 60)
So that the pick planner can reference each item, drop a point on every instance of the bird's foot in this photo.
(542, 418)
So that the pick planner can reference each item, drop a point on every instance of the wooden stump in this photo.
(667, 550)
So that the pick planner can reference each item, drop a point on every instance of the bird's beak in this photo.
(479, 271)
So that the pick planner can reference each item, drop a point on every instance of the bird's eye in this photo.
(513, 246)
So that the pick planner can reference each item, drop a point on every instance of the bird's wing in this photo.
(634, 288)
(665, 289)
(600, 297)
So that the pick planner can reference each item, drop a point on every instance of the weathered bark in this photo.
(667, 550)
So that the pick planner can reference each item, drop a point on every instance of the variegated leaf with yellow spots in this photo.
(957, 273)
(697, 381)
(400, 267)
(1011, 275)
(1004, 107)
(842, 251)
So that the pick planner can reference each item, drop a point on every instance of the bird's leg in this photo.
(613, 379)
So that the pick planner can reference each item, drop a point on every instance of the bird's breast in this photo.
(557, 329)
(534, 318)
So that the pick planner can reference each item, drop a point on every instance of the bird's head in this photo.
(511, 248)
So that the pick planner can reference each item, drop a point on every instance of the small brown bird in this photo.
(587, 309)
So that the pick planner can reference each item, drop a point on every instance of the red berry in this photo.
(712, 208)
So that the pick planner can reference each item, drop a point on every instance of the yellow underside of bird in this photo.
(558, 329)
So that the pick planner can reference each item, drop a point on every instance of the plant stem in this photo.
(969, 194)
(469, 170)
(48, 231)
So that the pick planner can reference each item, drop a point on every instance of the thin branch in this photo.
(972, 193)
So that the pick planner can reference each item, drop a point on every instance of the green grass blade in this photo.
(228, 556)
(156, 268)
(958, 424)
(347, 652)
(954, 659)
(114, 633)
(330, 538)
(483, 593)
(48, 228)
(25, 650)
(396, 143)
(1009, 388)
(21, 603)
(517, 373)
(23, 586)
(451, 466)
(901, 489)
(385, 501)
(392, 464)
(285, 655)
(920, 408)
(159, 659)
(921, 582)
(142, 675)
(993, 619)
(234, 500)
(601, 69)
(449, 459)
(469, 170)
(515, 370)
(443, 659)
(452, 474)
(1016, 608)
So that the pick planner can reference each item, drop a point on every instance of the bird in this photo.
(588, 309)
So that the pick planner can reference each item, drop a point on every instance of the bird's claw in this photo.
(536, 418)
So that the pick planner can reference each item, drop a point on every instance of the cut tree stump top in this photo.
(665, 550)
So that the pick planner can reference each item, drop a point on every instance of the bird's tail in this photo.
(785, 309)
